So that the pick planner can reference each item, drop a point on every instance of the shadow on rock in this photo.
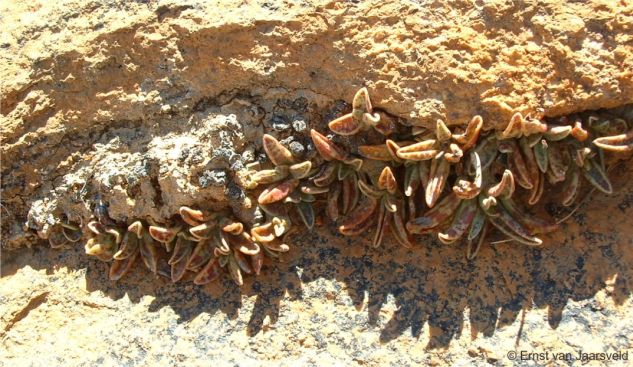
(434, 284)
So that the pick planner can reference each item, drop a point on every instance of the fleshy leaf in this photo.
(440, 170)
(597, 176)
(326, 148)
(469, 138)
(277, 153)
(387, 181)
(191, 216)
(462, 220)
(618, 143)
(437, 215)
(209, 273)
(420, 151)
(378, 152)
(121, 267)
(360, 218)
(278, 192)
(307, 214)
(345, 125)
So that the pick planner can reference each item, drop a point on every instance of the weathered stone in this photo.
(148, 106)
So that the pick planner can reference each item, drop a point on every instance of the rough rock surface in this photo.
(150, 105)
(334, 301)
(84, 80)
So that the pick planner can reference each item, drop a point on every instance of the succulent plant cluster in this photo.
(456, 185)
(197, 245)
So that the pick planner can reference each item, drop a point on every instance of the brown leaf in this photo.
(277, 153)
(278, 192)
(360, 218)
(440, 168)
(209, 273)
(121, 267)
(387, 181)
(326, 148)
(345, 125)
(191, 216)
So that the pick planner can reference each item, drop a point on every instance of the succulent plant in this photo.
(385, 198)
(64, 233)
(361, 118)
(293, 188)
(340, 175)
(199, 243)
(442, 151)
(456, 185)
(285, 164)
